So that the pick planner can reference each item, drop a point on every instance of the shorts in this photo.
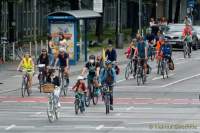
(29, 72)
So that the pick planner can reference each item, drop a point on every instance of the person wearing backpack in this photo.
(108, 77)
(166, 52)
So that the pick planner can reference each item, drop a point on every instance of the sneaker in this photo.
(111, 107)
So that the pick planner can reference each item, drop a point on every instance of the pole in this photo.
(13, 51)
(118, 16)
(4, 52)
(86, 40)
(35, 20)
(140, 15)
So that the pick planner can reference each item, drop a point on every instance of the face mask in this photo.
(91, 61)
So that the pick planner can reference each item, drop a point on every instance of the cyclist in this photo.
(93, 69)
(52, 78)
(108, 77)
(63, 59)
(130, 53)
(80, 88)
(142, 53)
(111, 53)
(187, 36)
(166, 52)
(159, 43)
(27, 65)
(43, 58)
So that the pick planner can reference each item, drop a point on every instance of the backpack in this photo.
(166, 49)
(110, 76)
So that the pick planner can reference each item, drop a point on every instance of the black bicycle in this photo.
(159, 67)
(25, 83)
(141, 76)
(64, 80)
(92, 94)
(106, 95)
(165, 67)
(78, 103)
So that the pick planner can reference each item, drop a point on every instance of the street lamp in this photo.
(140, 15)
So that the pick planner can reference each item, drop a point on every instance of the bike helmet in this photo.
(108, 62)
(80, 78)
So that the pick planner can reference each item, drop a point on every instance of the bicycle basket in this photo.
(48, 88)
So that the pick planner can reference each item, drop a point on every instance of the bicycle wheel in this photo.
(57, 113)
(50, 112)
(95, 96)
(128, 71)
(27, 88)
(66, 87)
(143, 76)
(107, 103)
(184, 51)
(159, 67)
(61, 86)
(139, 76)
(87, 99)
(23, 88)
(167, 70)
(40, 77)
(76, 105)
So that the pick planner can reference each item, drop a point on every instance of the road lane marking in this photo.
(129, 108)
(10, 127)
(181, 80)
(114, 127)
(99, 127)
(161, 77)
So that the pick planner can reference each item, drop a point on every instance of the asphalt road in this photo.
(161, 105)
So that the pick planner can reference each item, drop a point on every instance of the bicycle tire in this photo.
(50, 116)
(87, 99)
(107, 104)
(159, 67)
(57, 113)
(23, 89)
(143, 76)
(76, 106)
(65, 89)
(163, 69)
(40, 82)
(127, 71)
(139, 76)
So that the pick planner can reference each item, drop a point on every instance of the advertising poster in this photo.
(66, 30)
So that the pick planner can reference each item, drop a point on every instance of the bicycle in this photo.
(159, 67)
(41, 76)
(79, 103)
(64, 81)
(25, 83)
(129, 69)
(92, 94)
(186, 50)
(141, 76)
(165, 67)
(52, 109)
(106, 97)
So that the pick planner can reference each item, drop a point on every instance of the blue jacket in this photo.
(104, 74)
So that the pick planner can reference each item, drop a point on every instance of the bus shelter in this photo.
(66, 23)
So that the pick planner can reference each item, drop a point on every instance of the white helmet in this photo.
(62, 49)
(80, 78)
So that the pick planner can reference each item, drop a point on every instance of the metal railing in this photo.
(15, 51)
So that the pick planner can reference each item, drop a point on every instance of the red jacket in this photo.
(79, 87)
(187, 30)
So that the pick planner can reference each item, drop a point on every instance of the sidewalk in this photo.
(74, 69)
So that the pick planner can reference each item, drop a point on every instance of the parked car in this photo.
(173, 34)
(196, 38)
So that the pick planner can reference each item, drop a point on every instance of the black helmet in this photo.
(92, 57)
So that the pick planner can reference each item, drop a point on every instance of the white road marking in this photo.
(121, 80)
(118, 114)
(160, 77)
(142, 108)
(181, 80)
(99, 127)
(114, 127)
(10, 127)
(129, 108)
(38, 113)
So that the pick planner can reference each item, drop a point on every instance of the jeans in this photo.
(51, 59)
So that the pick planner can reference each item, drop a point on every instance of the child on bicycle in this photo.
(80, 89)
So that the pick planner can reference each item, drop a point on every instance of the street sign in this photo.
(98, 6)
